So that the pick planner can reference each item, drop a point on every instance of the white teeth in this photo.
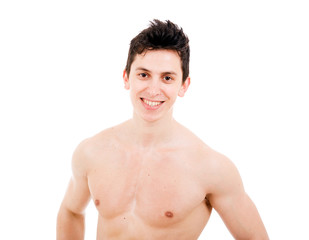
(150, 103)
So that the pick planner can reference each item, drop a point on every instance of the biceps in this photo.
(239, 215)
(77, 196)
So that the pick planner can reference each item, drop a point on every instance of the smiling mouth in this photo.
(152, 104)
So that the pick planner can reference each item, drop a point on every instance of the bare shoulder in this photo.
(196, 146)
(216, 168)
(218, 162)
(214, 160)
(88, 150)
(102, 140)
(222, 176)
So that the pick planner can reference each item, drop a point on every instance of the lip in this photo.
(148, 107)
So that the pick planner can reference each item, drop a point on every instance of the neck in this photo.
(147, 134)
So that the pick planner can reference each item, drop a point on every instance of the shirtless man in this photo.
(150, 177)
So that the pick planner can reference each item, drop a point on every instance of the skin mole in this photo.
(169, 214)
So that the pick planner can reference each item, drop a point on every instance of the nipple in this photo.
(97, 202)
(169, 214)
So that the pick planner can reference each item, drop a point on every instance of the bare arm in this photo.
(70, 220)
(233, 204)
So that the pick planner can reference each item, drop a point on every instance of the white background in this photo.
(61, 66)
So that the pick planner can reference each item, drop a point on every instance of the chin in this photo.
(150, 119)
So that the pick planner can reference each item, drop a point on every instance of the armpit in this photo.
(208, 204)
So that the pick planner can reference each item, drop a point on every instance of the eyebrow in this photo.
(164, 73)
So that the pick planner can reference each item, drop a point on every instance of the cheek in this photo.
(136, 91)
(138, 86)
(172, 91)
(133, 96)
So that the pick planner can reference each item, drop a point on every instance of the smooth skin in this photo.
(150, 177)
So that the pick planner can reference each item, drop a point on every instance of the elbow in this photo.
(66, 215)
(70, 225)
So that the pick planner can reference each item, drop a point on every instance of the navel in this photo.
(169, 214)
(97, 202)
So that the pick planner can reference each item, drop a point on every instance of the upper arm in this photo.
(230, 200)
(78, 195)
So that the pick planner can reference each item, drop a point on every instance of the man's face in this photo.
(155, 81)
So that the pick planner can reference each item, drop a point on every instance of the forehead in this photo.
(158, 60)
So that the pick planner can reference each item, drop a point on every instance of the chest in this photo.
(158, 187)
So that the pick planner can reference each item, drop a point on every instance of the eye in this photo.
(167, 78)
(143, 75)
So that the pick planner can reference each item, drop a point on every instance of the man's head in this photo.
(161, 35)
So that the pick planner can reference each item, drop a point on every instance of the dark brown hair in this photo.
(161, 35)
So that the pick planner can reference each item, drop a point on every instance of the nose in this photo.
(154, 87)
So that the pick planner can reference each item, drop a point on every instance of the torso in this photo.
(156, 193)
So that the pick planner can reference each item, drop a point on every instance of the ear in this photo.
(184, 87)
(126, 80)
